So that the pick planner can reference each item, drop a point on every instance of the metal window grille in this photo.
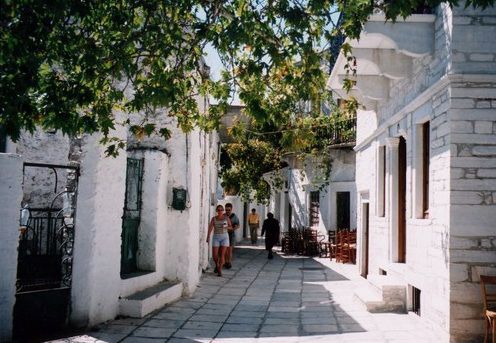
(416, 300)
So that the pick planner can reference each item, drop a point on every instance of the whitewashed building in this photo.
(426, 164)
(307, 200)
(139, 222)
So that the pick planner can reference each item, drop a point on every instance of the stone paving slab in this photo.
(152, 332)
(290, 299)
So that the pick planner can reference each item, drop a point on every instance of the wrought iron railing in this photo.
(344, 131)
(45, 250)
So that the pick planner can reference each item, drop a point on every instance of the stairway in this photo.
(140, 304)
(384, 293)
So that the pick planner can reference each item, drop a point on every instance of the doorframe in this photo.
(402, 182)
(363, 228)
(346, 209)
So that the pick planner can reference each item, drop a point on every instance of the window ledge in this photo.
(420, 221)
(136, 274)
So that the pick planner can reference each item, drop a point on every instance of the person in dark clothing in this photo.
(271, 228)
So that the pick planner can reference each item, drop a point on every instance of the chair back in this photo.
(488, 286)
(310, 235)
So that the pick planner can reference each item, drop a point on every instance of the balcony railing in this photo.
(344, 131)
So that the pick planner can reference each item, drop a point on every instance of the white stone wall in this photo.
(447, 252)
(97, 247)
(426, 70)
(302, 180)
(10, 200)
(152, 243)
(427, 265)
(171, 243)
(182, 227)
(39, 183)
(210, 167)
(342, 179)
(366, 186)
(366, 125)
(473, 41)
(472, 116)
(298, 198)
(473, 198)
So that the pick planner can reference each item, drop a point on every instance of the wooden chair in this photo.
(326, 247)
(310, 242)
(286, 243)
(340, 239)
(488, 285)
(290, 241)
(346, 246)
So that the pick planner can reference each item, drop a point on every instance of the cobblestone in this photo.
(291, 300)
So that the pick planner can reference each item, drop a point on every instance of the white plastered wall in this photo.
(96, 268)
(10, 204)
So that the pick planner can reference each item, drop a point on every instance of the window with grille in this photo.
(416, 300)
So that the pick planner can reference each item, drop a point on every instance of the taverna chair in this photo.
(488, 285)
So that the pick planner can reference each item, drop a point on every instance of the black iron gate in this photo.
(45, 253)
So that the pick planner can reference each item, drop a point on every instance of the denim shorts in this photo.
(221, 240)
(232, 238)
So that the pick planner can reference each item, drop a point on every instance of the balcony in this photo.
(344, 133)
(384, 53)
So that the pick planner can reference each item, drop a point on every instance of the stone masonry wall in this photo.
(473, 166)
(427, 260)
(426, 70)
(378, 226)
(447, 252)
(39, 183)
(473, 198)
(427, 239)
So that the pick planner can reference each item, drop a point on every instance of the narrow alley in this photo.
(287, 299)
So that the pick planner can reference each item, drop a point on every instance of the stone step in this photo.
(379, 281)
(140, 304)
(384, 294)
(370, 298)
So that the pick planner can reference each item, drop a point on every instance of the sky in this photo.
(213, 61)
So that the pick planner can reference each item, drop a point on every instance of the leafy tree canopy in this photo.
(69, 64)
(253, 164)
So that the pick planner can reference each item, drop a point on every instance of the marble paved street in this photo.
(287, 299)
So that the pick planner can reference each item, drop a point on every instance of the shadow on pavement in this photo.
(288, 296)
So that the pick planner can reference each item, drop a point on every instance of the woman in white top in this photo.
(219, 224)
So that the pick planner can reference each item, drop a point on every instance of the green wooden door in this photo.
(132, 216)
